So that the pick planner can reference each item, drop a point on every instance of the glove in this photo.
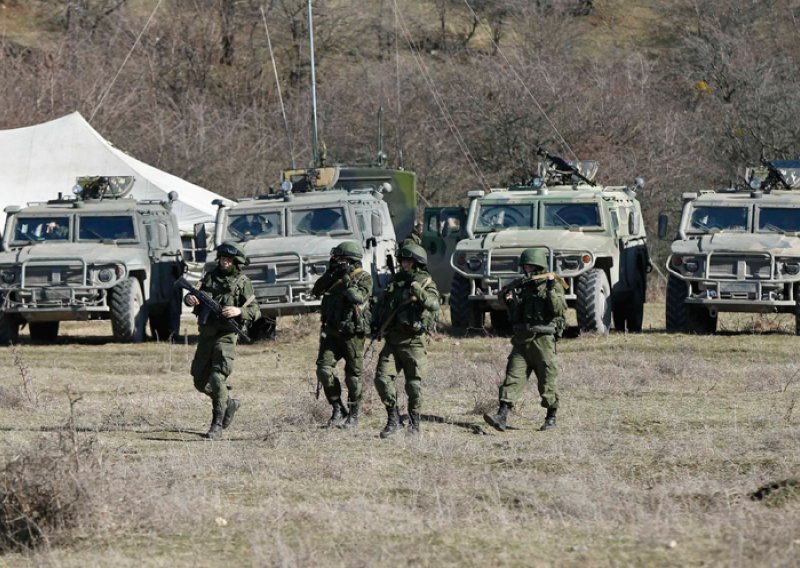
(550, 283)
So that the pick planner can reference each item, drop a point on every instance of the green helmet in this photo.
(234, 251)
(348, 249)
(415, 252)
(535, 256)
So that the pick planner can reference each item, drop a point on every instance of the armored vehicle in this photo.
(288, 234)
(593, 235)
(736, 250)
(98, 255)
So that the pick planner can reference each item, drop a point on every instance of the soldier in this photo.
(216, 347)
(415, 236)
(345, 289)
(404, 316)
(536, 309)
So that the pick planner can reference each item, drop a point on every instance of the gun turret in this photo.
(565, 168)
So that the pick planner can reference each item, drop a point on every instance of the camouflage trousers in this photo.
(409, 356)
(538, 355)
(212, 364)
(331, 351)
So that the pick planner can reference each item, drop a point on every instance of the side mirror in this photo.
(663, 222)
(377, 225)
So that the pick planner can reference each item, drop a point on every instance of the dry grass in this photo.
(662, 440)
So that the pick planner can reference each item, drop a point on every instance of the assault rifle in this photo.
(212, 307)
(523, 281)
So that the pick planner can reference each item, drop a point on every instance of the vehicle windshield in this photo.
(709, 219)
(112, 227)
(560, 215)
(498, 216)
(320, 221)
(779, 219)
(36, 229)
(265, 225)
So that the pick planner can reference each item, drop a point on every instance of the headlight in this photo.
(105, 275)
(691, 265)
(8, 276)
(791, 268)
(570, 262)
(474, 263)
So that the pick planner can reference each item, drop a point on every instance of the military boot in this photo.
(338, 415)
(414, 417)
(498, 421)
(215, 432)
(392, 422)
(352, 417)
(230, 410)
(549, 420)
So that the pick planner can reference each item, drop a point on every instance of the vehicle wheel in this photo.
(128, 314)
(500, 323)
(263, 329)
(463, 313)
(677, 311)
(593, 305)
(43, 331)
(9, 330)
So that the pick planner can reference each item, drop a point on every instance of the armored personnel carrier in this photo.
(288, 234)
(97, 255)
(736, 250)
(593, 235)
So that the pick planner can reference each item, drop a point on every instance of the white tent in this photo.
(37, 162)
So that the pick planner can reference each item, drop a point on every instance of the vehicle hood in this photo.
(90, 253)
(314, 246)
(739, 242)
(557, 240)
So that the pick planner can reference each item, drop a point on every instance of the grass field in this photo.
(661, 441)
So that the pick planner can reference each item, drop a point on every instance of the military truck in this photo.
(97, 255)
(593, 235)
(288, 234)
(737, 250)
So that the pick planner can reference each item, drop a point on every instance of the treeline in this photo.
(680, 92)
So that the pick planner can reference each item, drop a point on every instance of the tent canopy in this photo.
(39, 162)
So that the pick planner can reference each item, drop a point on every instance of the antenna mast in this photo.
(314, 140)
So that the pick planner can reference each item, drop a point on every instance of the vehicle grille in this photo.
(504, 264)
(271, 272)
(53, 275)
(723, 266)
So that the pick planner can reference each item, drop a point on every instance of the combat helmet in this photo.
(350, 250)
(535, 256)
(415, 252)
(234, 251)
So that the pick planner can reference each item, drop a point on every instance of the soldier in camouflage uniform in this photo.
(536, 308)
(345, 289)
(216, 347)
(404, 316)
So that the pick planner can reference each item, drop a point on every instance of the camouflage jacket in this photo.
(227, 290)
(345, 296)
(409, 306)
(533, 309)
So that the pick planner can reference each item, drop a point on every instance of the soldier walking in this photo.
(405, 316)
(536, 308)
(216, 347)
(345, 289)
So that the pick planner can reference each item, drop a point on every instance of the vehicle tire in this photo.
(9, 330)
(500, 323)
(677, 311)
(797, 311)
(593, 304)
(43, 331)
(263, 329)
(463, 313)
(128, 313)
